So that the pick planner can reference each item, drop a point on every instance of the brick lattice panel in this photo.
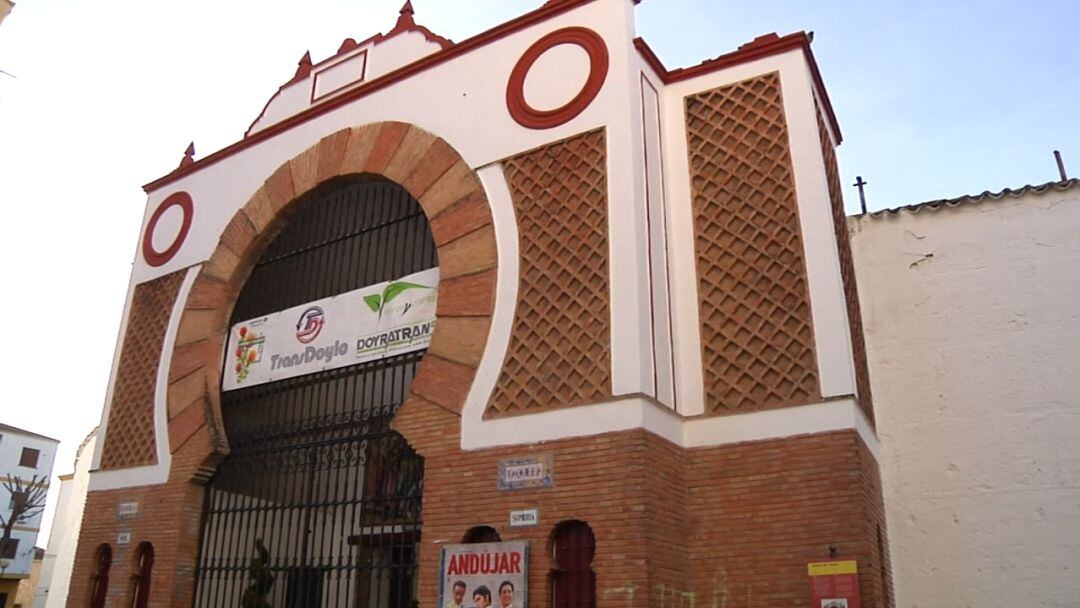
(757, 338)
(559, 353)
(847, 273)
(129, 437)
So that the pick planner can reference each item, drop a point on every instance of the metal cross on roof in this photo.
(859, 183)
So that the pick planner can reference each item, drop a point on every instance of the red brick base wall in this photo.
(762, 510)
(732, 525)
(169, 517)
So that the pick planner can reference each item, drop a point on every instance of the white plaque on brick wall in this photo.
(524, 518)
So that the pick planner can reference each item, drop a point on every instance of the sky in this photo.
(934, 99)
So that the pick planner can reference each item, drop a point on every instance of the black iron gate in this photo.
(318, 505)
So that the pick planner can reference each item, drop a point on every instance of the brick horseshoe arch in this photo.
(457, 209)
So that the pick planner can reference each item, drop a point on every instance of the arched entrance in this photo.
(456, 206)
(318, 503)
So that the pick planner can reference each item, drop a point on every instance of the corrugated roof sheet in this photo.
(968, 199)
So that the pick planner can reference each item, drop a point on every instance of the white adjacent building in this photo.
(973, 333)
(55, 577)
(23, 455)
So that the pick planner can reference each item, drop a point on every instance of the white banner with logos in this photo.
(362, 325)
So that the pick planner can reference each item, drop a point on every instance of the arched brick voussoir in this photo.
(332, 154)
(429, 428)
(457, 208)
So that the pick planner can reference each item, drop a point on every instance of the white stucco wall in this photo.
(972, 318)
(52, 586)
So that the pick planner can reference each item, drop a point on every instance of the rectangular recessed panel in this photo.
(656, 210)
(339, 76)
(559, 353)
(757, 337)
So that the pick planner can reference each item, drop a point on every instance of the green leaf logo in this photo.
(377, 302)
(374, 302)
(393, 290)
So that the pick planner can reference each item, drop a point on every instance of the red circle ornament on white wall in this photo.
(528, 116)
(154, 257)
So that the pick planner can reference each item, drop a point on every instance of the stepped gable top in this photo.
(405, 23)
(974, 199)
(762, 46)
(7, 428)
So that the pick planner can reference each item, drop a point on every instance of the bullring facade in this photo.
(644, 289)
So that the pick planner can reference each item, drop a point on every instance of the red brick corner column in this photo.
(458, 211)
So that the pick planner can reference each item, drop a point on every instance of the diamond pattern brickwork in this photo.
(559, 353)
(847, 273)
(129, 436)
(757, 338)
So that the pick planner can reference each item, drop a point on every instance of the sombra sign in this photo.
(484, 574)
(365, 324)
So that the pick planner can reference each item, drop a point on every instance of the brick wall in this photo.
(600, 480)
(757, 340)
(674, 527)
(169, 517)
(559, 352)
(761, 511)
(129, 439)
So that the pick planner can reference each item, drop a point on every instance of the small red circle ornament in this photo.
(154, 257)
(528, 116)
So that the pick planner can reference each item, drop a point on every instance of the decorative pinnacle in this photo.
(189, 156)
(405, 16)
(303, 68)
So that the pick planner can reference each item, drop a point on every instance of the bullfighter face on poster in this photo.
(484, 575)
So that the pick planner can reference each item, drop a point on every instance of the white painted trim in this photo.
(630, 300)
(502, 317)
(656, 212)
(582, 421)
(832, 333)
(812, 419)
(127, 478)
(644, 413)
(103, 426)
(867, 433)
(156, 473)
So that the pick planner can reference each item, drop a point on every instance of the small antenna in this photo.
(1061, 166)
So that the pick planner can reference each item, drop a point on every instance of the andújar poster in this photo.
(484, 575)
